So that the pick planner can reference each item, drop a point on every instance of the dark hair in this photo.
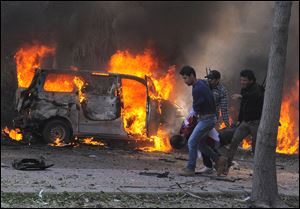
(187, 70)
(214, 74)
(248, 74)
(178, 141)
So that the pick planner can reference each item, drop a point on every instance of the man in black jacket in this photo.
(250, 113)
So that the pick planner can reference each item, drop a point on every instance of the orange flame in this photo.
(142, 65)
(139, 65)
(79, 83)
(28, 59)
(91, 142)
(134, 112)
(288, 132)
(161, 142)
(64, 83)
(57, 143)
(59, 83)
(165, 84)
(222, 125)
(14, 134)
(246, 143)
(135, 93)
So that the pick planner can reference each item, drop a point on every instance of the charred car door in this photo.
(100, 110)
(153, 109)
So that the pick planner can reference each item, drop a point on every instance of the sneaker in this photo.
(206, 170)
(222, 166)
(187, 172)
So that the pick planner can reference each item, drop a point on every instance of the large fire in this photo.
(28, 59)
(142, 65)
(288, 132)
(134, 93)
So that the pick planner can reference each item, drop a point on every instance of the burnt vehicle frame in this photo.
(51, 114)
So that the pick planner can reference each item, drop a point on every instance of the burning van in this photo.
(63, 104)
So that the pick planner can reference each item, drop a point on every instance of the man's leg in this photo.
(205, 148)
(240, 133)
(198, 138)
(206, 161)
(253, 126)
(224, 163)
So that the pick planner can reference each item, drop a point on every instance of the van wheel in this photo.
(56, 129)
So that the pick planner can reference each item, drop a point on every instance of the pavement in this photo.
(99, 169)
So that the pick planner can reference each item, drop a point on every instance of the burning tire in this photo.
(56, 130)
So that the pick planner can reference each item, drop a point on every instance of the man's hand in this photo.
(236, 96)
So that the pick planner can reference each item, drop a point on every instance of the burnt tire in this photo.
(54, 129)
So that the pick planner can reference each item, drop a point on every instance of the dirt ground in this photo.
(125, 177)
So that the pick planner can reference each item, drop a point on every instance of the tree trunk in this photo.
(264, 188)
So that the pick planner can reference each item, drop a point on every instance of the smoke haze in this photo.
(228, 36)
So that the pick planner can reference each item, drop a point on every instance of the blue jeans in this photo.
(197, 141)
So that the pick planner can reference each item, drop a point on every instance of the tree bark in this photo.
(264, 187)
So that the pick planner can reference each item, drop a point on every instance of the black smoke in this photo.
(227, 36)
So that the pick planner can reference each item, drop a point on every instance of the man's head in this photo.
(178, 141)
(247, 78)
(213, 78)
(188, 75)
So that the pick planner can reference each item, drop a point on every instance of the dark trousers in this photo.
(242, 131)
(206, 161)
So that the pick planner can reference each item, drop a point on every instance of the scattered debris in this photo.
(4, 166)
(30, 164)
(245, 200)
(92, 156)
(180, 158)
(235, 165)
(281, 167)
(158, 175)
(195, 196)
(40, 193)
(163, 175)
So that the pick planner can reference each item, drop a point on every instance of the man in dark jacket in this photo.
(250, 113)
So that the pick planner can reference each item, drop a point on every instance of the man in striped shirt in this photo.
(220, 95)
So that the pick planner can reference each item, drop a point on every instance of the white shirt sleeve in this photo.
(214, 135)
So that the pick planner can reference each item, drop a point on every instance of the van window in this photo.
(100, 85)
(101, 101)
(59, 82)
